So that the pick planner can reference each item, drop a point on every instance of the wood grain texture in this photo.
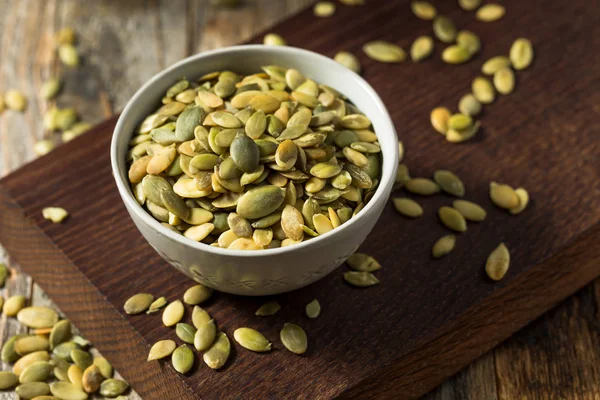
(574, 20)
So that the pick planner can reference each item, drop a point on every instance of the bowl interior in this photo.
(245, 60)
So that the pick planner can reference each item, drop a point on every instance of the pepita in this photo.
(161, 349)
(252, 340)
(521, 54)
(313, 309)
(383, 51)
(490, 12)
(443, 246)
(360, 279)
(408, 207)
(173, 313)
(498, 262)
(197, 294)
(452, 219)
(294, 338)
(471, 211)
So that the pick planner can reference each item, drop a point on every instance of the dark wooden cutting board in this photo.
(427, 319)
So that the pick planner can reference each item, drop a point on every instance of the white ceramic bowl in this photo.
(271, 271)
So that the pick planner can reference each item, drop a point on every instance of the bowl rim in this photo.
(387, 178)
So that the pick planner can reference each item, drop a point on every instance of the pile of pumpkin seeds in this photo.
(52, 359)
(254, 162)
(202, 334)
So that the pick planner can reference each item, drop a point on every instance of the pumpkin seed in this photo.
(197, 294)
(104, 366)
(469, 105)
(523, 196)
(61, 331)
(498, 262)
(187, 122)
(521, 54)
(455, 136)
(494, 64)
(449, 183)
(268, 309)
(75, 375)
(443, 246)
(490, 12)
(469, 5)
(421, 48)
(348, 60)
(199, 233)
(363, 263)
(43, 147)
(185, 332)
(82, 358)
(444, 29)
(251, 339)
(13, 305)
(483, 90)
(91, 379)
(469, 210)
(67, 391)
(452, 219)
(256, 125)
(313, 309)
(173, 313)
(503, 196)
(4, 273)
(65, 35)
(63, 350)
(32, 389)
(38, 371)
(55, 214)
(407, 207)
(469, 41)
(205, 336)
(422, 186)
(360, 278)
(423, 10)
(294, 338)
(8, 380)
(161, 349)
(216, 356)
(113, 388)
(439, 119)
(273, 39)
(456, 54)
(68, 55)
(291, 221)
(324, 9)
(504, 80)
(156, 305)
(37, 317)
(50, 88)
(322, 224)
(138, 303)
(260, 202)
(383, 51)
(177, 88)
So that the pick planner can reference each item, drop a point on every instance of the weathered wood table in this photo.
(124, 43)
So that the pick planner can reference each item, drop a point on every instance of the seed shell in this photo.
(498, 262)
(294, 338)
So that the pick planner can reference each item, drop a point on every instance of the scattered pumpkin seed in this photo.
(490, 12)
(452, 219)
(422, 186)
(199, 317)
(313, 309)
(469, 105)
(360, 278)
(469, 41)
(383, 51)
(205, 336)
(483, 90)
(43, 147)
(173, 313)
(503, 196)
(138, 303)
(494, 64)
(50, 88)
(407, 207)
(15, 100)
(439, 119)
(68, 55)
(65, 35)
(456, 136)
(216, 356)
(324, 9)
(197, 294)
(273, 39)
(443, 246)
(449, 182)
(294, 338)
(251, 339)
(363, 262)
(444, 29)
(104, 366)
(156, 305)
(498, 262)
(185, 332)
(504, 80)
(523, 201)
(456, 54)
(421, 48)
(471, 211)
(55, 214)
(348, 60)
(521, 54)
(161, 349)
(423, 10)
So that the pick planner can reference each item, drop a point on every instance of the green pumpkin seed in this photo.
(503, 196)
(423, 10)
(13, 305)
(8, 380)
(177, 88)
(187, 122)
(291, 221)
(360, 279)
(224, 87)
(161, 349)
(205, 336)
(407, 207)
(268, 309)
(156, 305)
(251, 339)
(61, 331)
(256, 125)
(75, 375)
(29, 344)
(294, 338)
(452, 219)
(383, 51)
(173, 313)
(324, 9)
(216, 356)
(197, 294)
(360, 178)
(260, 202)
(521, 54)
(422, 186)
(402, 176)
(455, 136)
(490, 12)
(82, 358)
(10, 355)
(183, 359)
(483, 90)
(498, 262)
(456, 54)
(494, 64)
(449, 183)
(68, 55)
(50, 88)
(38, 371)
(469, 105)
(91, 379)
(4, 273)
(504, 80)
(63, 350)
(245, 153)
(469, 41)
(104, 366)
(32, 389)
(68, 391)
(138, 303)
(523, 196)
(469, 5)
(286, 154)
(470, 210)
(273, 39)
(37, 317)
(443, 246)
(313, 309)
(355, 121)
(185, 332)
(348, 60)
(363, 262)
(444, 29)
(421, 48)
(174, 204)
(263, 237)
(226, 119)
(439, 119)
(113, 388)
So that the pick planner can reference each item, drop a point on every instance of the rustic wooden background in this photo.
(123, 43)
